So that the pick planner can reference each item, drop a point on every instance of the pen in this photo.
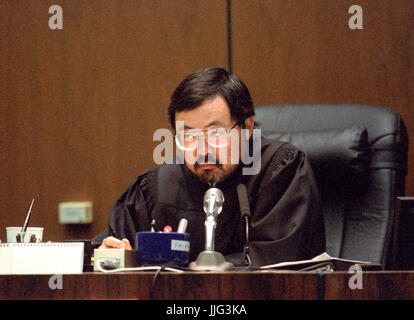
(153, 228)
(182, 226)
(26, 222)
(20, 237)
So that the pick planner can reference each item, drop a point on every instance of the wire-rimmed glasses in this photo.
(217, 138)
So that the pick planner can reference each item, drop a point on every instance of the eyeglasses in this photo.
(217, 138)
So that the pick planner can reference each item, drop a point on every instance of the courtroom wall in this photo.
(79, 105)
(306, 52)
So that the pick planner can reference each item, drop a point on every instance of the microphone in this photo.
(182, 226)
(212, 205)
(243, 201)
(213, 202)
(210, 259)
(245, 213)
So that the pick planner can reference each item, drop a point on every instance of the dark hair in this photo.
(208, 83)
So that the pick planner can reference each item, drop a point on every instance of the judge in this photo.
(215, 110)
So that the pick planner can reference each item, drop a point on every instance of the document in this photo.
(324, 259)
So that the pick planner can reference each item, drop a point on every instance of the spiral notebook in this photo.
(41, 258)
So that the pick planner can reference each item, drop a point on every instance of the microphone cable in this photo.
(154, 279)
(164, 267)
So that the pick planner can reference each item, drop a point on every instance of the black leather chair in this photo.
(359, 156)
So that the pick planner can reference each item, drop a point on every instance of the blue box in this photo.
(158, 248)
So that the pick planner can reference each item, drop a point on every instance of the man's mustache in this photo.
(207, 159)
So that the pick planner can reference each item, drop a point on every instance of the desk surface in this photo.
(263, 285)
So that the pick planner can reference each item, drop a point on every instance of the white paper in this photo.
(41, 258)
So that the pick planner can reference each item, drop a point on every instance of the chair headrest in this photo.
(343, 152)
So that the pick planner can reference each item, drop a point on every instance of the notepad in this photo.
(41, 258)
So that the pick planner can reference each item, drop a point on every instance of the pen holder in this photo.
(157, 248)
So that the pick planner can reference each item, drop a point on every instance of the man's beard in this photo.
(213, 175)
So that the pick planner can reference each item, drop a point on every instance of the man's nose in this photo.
(203, 147)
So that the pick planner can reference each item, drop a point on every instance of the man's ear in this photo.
(249, 124)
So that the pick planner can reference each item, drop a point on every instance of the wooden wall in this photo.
(79, 106)
(305, 52)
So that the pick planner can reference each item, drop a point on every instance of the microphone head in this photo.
(213, 201)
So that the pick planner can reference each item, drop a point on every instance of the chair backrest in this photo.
(359, 155)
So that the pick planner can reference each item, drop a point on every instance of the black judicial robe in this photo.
(286, 219)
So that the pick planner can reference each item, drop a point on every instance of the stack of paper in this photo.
(41, 258)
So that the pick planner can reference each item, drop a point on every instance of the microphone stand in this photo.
(210, 225)
(210, 260)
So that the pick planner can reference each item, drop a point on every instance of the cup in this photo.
(13, 231)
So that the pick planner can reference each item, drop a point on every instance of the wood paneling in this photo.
(79, 106)
(371, 286)
(273, 285)
(185, 286)
(304, 52)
